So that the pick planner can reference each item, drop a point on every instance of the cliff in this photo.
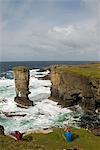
(21, 76)
(77, 84)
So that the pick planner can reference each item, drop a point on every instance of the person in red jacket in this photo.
(16, 135)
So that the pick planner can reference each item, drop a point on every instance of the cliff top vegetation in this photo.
(88, 70)
(20, 68)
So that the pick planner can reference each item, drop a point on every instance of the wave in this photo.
(44, 114)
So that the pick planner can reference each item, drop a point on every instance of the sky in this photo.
(49, 30)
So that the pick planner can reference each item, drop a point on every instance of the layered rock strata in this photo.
(21, 76)
(69, 88)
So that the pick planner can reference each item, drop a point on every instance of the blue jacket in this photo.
(68, 136)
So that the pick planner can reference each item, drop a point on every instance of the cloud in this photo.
(57, 43)
(41, 30)
(76, 36)
(92, 6)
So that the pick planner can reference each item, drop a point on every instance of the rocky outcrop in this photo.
(21, 76)
(1, 130)
(47, 77)
(14, 114)
(91, 122)
(69, 88)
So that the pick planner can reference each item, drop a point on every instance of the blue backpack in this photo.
(68, 136)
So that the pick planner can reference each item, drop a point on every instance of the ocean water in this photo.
(6, 66)
(44, 114)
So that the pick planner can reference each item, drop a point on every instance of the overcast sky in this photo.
(33, 30)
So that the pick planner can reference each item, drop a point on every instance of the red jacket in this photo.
(18, 135)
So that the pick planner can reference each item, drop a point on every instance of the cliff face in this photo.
(70, 88)
(21, 76)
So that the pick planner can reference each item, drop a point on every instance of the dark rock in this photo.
(23, 101)
(1, 130)
(88, 104)
(3, 100)
(67, 103)
(90, 121)
(14, 114)
(96, 131)
(47, 77)
(41, 70)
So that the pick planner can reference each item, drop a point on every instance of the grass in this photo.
(52, 141)
(88, 70)
(20, 68)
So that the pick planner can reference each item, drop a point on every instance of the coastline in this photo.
(56, 98)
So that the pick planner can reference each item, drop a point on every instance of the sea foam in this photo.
(44, 114)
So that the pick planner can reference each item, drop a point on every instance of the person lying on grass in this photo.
(16, 135)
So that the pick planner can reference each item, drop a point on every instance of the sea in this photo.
(45, 113)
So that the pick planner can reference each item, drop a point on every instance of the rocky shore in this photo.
(71, 85)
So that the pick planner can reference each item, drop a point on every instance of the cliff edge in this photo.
(77, 85)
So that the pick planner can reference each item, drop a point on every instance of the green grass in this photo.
(87, 70)
(52, 141)
(20, 68)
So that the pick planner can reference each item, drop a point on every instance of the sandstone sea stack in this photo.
(22, 76)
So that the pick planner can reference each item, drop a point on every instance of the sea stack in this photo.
(22, 76)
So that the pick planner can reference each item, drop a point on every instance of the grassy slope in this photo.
(88, 70)
(52, 141)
